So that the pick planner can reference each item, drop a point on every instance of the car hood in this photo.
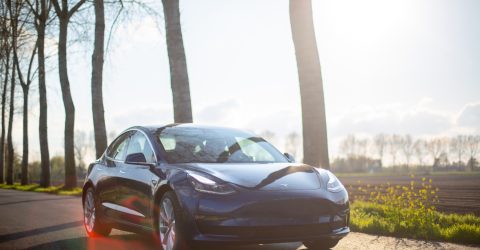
(262, 176)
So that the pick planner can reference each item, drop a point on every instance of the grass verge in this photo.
(372, 218)
(409, 211)
(51, 190)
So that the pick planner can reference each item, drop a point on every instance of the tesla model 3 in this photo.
(189, 184)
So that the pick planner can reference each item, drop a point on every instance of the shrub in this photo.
(409, 211)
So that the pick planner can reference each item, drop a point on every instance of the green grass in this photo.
(51, 190)
(369, 217)
(396, 174)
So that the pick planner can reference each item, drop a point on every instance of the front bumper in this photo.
(268, 217)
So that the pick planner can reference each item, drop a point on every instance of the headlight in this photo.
(333, 184)
(206, 185)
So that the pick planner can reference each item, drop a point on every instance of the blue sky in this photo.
(388, 66)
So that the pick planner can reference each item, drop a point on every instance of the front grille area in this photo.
(269, 232)
(336, 222)
(284, 218)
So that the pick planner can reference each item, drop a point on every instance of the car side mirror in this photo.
(137, 159)
(290, 157)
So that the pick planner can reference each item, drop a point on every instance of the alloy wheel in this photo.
(167, 224)
(89, 212)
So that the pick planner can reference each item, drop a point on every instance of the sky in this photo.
(405, 67)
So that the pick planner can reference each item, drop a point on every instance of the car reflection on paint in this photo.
(189, 184)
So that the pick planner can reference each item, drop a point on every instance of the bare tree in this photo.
(435, 148)
(182, 107)
(408, 148)
(458, 146)
(473, 144)
(315, 141)
(13, 10)
(81, 147)
(362, 147)
(100, 131)
(40, 10)
(394, 145)
(64, 13)
(380, 142)
(6, 49)
(25, 84)
(419, 148)
(349, 146)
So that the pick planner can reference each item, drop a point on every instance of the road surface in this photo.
(42, 221)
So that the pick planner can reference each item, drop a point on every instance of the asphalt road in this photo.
(41, 221)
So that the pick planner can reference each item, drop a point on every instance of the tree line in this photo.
(27, 25)
(360, 154)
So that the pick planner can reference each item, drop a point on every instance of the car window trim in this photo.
(128, 144)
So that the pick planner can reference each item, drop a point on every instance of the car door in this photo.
(107, 186)
(135, 182)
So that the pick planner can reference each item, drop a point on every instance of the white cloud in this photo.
(469, 117)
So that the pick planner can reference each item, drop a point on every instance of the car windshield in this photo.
(215, 145)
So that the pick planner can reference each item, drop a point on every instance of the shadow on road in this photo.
(142, 242)
(36, 200)
(15, 236)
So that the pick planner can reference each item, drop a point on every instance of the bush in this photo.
(409, 211)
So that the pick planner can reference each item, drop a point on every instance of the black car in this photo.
(189, 184)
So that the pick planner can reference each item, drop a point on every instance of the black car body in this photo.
(246, 191)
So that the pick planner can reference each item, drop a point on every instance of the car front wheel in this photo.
(169, 223)
(93, 225)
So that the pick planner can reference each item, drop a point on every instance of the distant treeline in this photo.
(405, 153)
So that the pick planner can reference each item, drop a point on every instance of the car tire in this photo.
(91, 217)
(320, 244)
(169, 222)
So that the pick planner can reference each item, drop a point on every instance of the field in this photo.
(458, 193)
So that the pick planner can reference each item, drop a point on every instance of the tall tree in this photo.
(458, 147)
(13, 14)
(408, 148)
(6, 54)
(380, 142)
(182, 107)
(40, 10)
(25, 84)
(64, 14)
(4, 102)
(315, 142)
(100, 132)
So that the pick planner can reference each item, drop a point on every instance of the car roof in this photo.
(154, 128)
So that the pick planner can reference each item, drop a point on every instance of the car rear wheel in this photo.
(320, 244)
(169, 223)
(91, 220)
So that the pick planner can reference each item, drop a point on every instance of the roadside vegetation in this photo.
(60, 190)
(409, 211)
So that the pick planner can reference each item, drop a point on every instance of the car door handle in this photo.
(122, 172)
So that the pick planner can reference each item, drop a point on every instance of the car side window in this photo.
(118, 149)
(140, 144)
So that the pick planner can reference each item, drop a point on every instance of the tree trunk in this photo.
(100, 132)
(24, 180)
(10, 153)
(315, 146)
(4, 100)
(43, 129)
(182, 107)
(70, 172)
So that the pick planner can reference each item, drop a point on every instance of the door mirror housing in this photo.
(290, 157)
(137, 159)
